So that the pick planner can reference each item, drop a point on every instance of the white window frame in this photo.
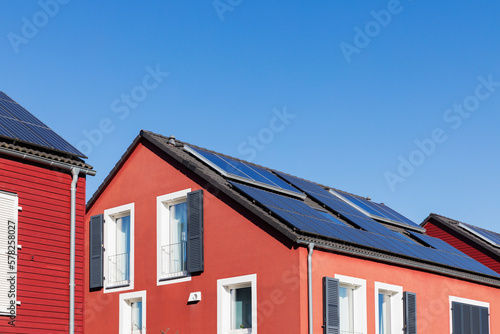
(396, 306)
(469, 302)
(109, 232)
(224, 287)
(126, 310)
(359, 300)
(4, 257)
(162, 221)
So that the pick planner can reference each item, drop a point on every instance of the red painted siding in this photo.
(463, 244)
(44, 234)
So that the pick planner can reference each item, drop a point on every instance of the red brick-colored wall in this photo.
(463, 244)
(234, 246)
(44, 234)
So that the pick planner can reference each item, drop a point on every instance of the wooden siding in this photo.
(463, 244)
(44, 234)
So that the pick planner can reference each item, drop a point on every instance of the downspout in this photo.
(310, 246)
(75, 172)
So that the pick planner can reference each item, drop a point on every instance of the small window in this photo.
(237, 305)
(133, 313)
(469, 316)
(119, 247)
(388, 308)
(352, 305)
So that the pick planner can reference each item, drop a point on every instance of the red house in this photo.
(42, 206)
(478, 243)
(186, 240)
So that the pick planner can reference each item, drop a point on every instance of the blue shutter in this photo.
(410, 312)
(194, 247)
(331, 316)
(96, 252)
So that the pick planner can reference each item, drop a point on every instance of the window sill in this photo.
(174, 278)
(241, 331)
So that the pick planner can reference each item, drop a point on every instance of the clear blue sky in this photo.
(360, 81)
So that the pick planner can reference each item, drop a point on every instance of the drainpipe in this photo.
(74, 172)
(309, 286)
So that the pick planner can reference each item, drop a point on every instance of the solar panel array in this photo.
(493, 237)
(19, 124)
(304, 218)
(339, 206)
(243, 171)
(378, 210)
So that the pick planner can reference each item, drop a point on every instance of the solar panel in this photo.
(375, 210)
(341, 207)
(19, 124)
(4, 96)
(489, 236)
(244, 172)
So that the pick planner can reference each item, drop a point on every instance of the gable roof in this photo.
(487, 239)
(315, 214)
(22, 129)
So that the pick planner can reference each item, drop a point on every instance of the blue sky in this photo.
(396, 100)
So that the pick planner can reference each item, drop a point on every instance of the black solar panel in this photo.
(243, 172)
(19, 124)
(304, 218)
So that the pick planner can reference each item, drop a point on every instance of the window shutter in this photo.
(8, 227)
(194, 248)
(410, 312)
(331, 316)
(456, 313)
(96, 252)
(484, 320)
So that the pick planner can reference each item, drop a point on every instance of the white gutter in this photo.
(309, 286)
(75, 172)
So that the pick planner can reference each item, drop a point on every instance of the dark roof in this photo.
(482, 237)
(393, 248)
(21, 128)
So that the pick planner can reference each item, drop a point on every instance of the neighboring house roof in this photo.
(488, 240)
(22, 132)
(307, 212)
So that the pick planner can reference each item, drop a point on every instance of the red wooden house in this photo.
(185, 240)
(42, 195)
(479, 243)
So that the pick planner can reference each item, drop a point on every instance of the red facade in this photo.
(464, 242)
(238, 242)
(44, 257)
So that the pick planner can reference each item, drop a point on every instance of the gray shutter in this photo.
(456, 314)
(484, 320)
(331, 316)
(96, 252)
(195, 262)
(410, 312)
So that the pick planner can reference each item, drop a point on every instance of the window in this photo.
(8, 252)
(237, 305)
(469, 316)
(388, 309)
(172, 234)
(352, 305)
(133, 313)
(179, 235)
(119, 247)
